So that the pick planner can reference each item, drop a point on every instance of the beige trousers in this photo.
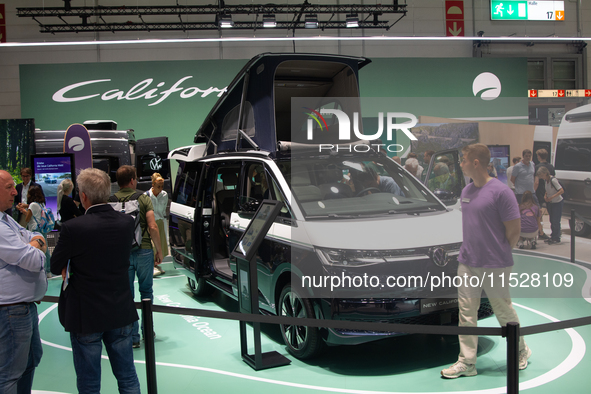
(469, 302)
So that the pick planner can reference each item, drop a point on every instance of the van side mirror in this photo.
(248, 204)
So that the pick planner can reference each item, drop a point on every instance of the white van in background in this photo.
(572, 160)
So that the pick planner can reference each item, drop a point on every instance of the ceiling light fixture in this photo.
(225, 21)
(352, 20)
(269, 21)
(280, 39)
(311, 21)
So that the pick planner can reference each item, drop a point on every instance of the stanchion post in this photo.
(572, 235)
(149, 344)
(512, 334)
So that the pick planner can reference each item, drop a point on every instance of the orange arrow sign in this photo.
(533, 93)
(559, 15)
(560, 92)
(587, 92)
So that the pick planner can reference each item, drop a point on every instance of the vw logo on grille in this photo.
(439, 257)
(156, 164)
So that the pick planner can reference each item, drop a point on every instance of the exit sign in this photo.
(512, 10)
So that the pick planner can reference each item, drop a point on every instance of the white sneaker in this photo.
(156, 271)
(459, 369)
(524, 355)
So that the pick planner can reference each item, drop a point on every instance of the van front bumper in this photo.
(395, 311)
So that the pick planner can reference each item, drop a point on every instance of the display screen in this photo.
(257, 229)
(152, 163)
(49, 171)
(499, 157)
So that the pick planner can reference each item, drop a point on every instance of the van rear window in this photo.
(573, 154)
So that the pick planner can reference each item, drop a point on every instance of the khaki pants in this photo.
(163, 238)
(469, 302)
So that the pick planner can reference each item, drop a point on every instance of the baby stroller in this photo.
(530, 222)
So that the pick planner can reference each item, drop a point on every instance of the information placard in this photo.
(49, 171)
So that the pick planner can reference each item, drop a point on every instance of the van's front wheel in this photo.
(199, 287)
(581, 229)
(302, 342)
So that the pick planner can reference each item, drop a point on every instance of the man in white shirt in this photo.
(511, 185)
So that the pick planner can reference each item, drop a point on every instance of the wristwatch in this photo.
(40, 242)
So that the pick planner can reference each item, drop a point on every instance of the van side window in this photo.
(255, 186)
(230, 123)
(186, 184)
(259, 185)
(573, 154)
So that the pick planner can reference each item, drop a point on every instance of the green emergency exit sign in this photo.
(511, 10)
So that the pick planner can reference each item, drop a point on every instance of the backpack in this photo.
(47, 222)
(130, 206)
(552, 178)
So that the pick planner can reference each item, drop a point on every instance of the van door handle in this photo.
(588, 181)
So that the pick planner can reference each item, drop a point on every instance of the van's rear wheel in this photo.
(581, 229)
(301, 341)
(199, 287)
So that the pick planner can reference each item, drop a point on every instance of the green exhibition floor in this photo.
(189, 361)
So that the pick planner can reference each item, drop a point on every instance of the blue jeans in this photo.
(141, 262)
(20, 347)
(555, 214)
(87, 350)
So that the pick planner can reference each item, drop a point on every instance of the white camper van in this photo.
(333, 223)
(572, 160)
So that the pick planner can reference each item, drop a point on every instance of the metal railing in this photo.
(511, 332)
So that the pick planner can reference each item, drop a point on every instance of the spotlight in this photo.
(311, 21)
(269, 21)
(352, 20)
(225, 21)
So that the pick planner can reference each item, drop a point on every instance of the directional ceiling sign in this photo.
(454, 18)
(512, 10)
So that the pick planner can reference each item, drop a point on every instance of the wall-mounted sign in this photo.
(558, 93)
(512, 10)
(454, 18)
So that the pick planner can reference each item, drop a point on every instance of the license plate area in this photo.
(428, 305)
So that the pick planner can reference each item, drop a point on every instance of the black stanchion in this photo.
(572, 235)
(149, 343)
(512, 335)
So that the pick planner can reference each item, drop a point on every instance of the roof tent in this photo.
(255, 112)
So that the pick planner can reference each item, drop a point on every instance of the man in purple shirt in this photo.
(491, 226)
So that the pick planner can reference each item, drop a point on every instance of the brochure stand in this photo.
(248, 294)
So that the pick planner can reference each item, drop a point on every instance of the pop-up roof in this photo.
(255, 112)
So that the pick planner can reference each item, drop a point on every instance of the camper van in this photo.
(333, 222)
(572, 160)
(112, 148)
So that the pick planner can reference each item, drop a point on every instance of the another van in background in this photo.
(572, 160)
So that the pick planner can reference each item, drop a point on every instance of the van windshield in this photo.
(354, 186)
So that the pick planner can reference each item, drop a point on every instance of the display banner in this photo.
(172, 98)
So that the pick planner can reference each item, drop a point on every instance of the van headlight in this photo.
(349, 258)
(361, 258)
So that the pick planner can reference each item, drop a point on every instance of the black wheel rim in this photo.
(292, 306)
